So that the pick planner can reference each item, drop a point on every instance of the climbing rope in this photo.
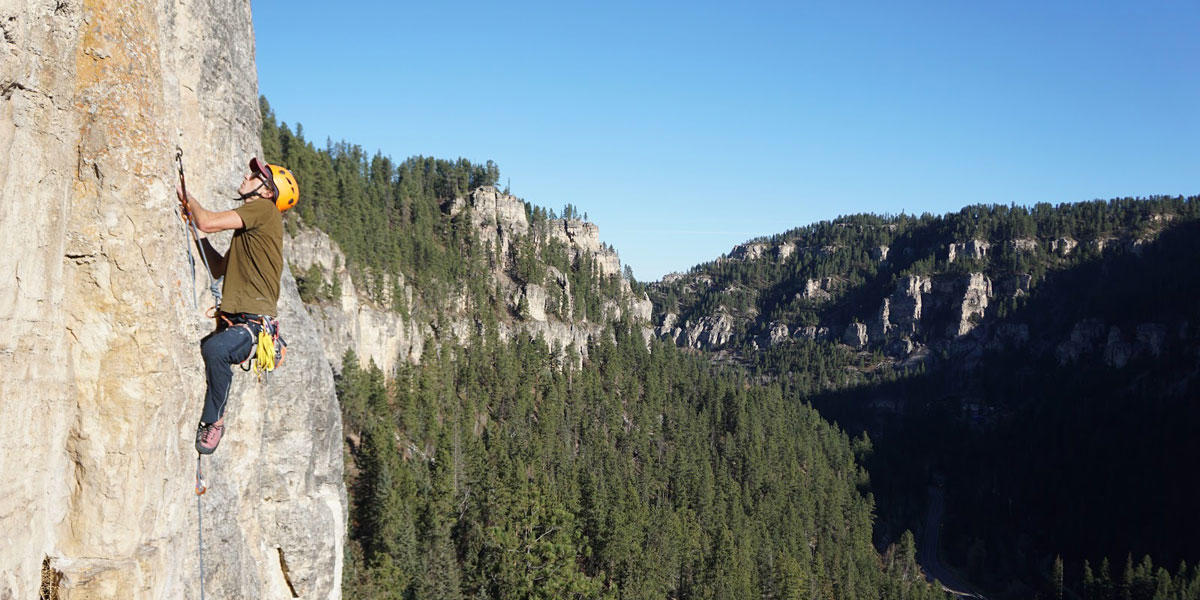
(187, 247)
(214, 286)
(201, 487)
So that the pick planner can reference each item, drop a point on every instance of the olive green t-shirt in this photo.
(255, 260)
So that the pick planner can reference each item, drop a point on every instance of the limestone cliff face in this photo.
(376, 332)
(351, 321)
(102, 379)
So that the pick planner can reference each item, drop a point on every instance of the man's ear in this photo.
(267, 192)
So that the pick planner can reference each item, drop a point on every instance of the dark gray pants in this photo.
(221, 350)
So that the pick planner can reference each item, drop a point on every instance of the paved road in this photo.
(927, 551)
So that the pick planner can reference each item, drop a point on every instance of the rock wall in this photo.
(351, 321)
(102, 378)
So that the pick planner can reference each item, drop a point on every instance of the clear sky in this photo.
(684, 128)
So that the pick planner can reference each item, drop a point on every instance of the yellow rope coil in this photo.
(264, 357)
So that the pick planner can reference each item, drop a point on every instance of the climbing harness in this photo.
(201, 487)
(269, 348)
(214, 283)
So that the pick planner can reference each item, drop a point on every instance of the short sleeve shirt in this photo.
(255, 260)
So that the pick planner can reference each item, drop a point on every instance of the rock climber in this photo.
(252, 269)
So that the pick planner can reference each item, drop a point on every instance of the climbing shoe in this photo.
(208, 435)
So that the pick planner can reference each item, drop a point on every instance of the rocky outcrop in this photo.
(533, 298)
(1063, 245)
(974, 302)
(1023, 245)
(102, 374)
(1100, 243)
(777, 334)
(1015, 286)
(710, 333)
(900, 347)
(668, 330)
(890, 290)
(879, 327)
(581, 236)
(497, 217)
(641, 308)
(906, 302)
(819, 290)
(352, 321)
(974, 249)
(751, 251)
(855, 335)
(1084, 338)
(812, 333)
(707, 333)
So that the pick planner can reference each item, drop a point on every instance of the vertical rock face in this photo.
(879, 327)
(709, 332)
(778, 334)
(974, 302)
(350, 322)
(103, 380)
(819, 290)
(785, 250)
(497, 218)
(1063, 245)
(904, 306)
(535, 301)
(855, 335)
(974, 249)
(752, 251)
(585, 236)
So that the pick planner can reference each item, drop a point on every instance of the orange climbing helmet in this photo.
(281, 181)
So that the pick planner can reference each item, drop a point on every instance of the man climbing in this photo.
(252, 268)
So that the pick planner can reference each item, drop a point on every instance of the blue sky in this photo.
(683, 129)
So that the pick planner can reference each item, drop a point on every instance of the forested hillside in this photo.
(404, 221)
(821, 280)
(494, 468)
(491, 472)
(1038, 364)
